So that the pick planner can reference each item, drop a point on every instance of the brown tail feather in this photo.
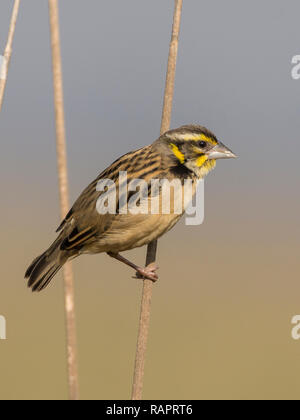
(44, 267)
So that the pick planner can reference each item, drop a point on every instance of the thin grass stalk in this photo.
(8, 50)
(137, 388)
(64, 197)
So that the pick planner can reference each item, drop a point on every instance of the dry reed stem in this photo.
(8, 50)
(137, 388)
(64, 196)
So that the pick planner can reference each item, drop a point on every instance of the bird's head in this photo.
(194, 147)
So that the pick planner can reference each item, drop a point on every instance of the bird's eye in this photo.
(202, 144)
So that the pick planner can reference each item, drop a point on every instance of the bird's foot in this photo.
(141, 273)
(148, 272)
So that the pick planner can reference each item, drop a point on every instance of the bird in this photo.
(189, 152)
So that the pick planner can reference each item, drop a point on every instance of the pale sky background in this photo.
(221, 317)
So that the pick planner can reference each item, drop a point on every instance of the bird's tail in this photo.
(44, 267)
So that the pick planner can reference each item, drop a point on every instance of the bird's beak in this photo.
(220, 152)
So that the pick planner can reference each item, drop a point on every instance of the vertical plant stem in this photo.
(137, 388)
(64, 196)
(8, 50)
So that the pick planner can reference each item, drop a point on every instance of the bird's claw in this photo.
(148, 272)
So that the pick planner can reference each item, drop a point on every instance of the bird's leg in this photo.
(147, 272)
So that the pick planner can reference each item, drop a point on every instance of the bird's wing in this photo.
(90, 193)
(83, 224)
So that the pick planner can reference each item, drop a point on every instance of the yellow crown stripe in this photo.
(197, 137)
(177, 153)
(208, 139)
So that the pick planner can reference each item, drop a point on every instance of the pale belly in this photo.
(128, 231)
(127, 234)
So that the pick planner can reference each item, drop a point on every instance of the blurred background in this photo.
(222, 310)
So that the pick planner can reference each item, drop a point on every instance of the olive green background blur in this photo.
(222, 310)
